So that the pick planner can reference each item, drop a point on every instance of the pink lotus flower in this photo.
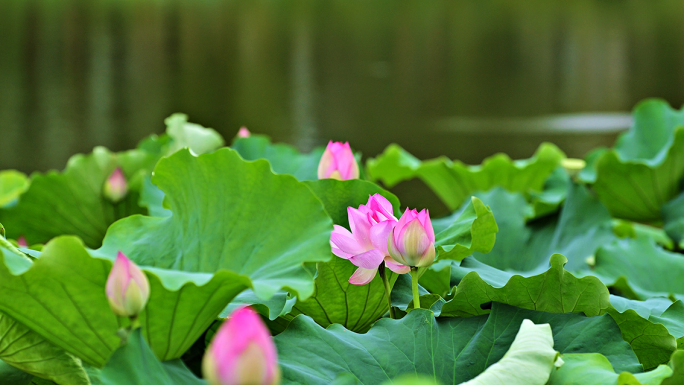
(116, 186)
(21, 242)
(338, 162)
(242, 352)
(412, 241)
(243, 132)
(366, 245)
(127, 288)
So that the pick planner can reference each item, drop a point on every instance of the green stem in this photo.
(388, 289)
(414, 283)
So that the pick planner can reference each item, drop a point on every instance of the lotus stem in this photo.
(414, 283)
(388, 289)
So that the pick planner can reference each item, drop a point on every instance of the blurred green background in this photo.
(464, 78)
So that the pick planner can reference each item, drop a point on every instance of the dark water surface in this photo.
(461, 78)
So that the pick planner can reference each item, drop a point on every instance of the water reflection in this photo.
(78, 73)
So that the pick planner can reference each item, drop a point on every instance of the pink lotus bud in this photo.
(116, 187)
(127, 288)
(243, 132)
(242, 352)
(21, 242)
(412, 241)
(338, 162)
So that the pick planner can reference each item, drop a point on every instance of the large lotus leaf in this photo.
(677, 365)
(644, 169)
(243, 244)
(61, 297)
(595, 369)
(582, 226)
(9, 375)
(284, 159)
(650, 136)
(335, 300)
(555, 291)
(229, 214)
(454, 181)
(673, 216)
(452, 350)
(559, 291)
(25, 349)
(474, 230)
(640, 269)
(198, 139)
(673, 319)
(652, 306)
(12, 184)
(72, 202)
(135, 364)
(529, 360)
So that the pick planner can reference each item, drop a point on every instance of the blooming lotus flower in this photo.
(116, 186)
(412, 241)
(242, 352)
(127, 288)
(243, 132)
(366, 245)
(338, 162)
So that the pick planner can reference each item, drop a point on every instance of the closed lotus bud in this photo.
(21, 242)
(127, 288)
(116, 186)
(243, 132)
(412, 241)
(338, 162)
(242, 352)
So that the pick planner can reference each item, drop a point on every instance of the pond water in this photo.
(462, 78)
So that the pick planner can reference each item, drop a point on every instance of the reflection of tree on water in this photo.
(78, 73)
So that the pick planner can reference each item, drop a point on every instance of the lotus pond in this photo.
(548, 271)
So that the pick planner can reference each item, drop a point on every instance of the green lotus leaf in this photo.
(673, 319)
(284, 159)
(643, 171)
(650, 137)
(191, 282)
(451, 350)
(25, 349)
(335, 300)
(9, 375)
(595, 369)
(198, 139)
(529, 360)
(639, 269)
(61, 297)
(12, 185)
(135, 363)
(474, 230)
(454, 182)
(673, 218)
(677, 365)
(72, 202)
(582, 226)
(558, 291)
(624, 229)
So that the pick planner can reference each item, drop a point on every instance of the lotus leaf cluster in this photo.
(190, 260)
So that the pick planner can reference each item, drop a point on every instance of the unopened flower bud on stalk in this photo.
(116, 186)
(127, 288)
(242, 352)
(338, 162)
(243, 132)
(412, 241)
